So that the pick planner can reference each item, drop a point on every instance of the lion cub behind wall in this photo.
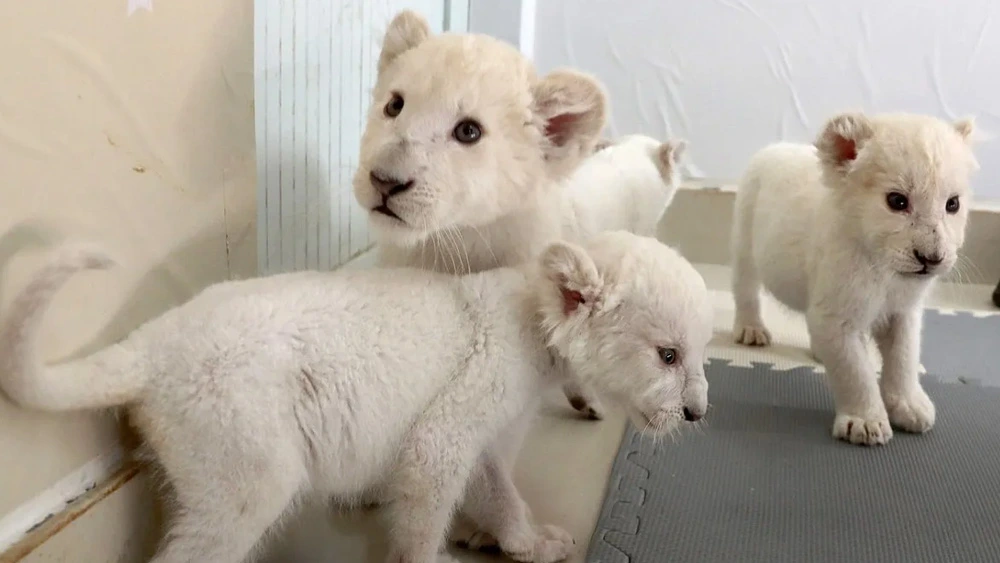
(854, 231)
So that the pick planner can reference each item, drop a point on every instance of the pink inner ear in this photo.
(571, 300)
(560, 127)
(847, 149)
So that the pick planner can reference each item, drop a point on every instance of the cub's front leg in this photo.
(584, 400)
(906, 401)
(432, 469)
(500, 516)
(861, 416)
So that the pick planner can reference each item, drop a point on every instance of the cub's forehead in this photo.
(668, 301)
(924, 153)
(464, 73)
(668, 318)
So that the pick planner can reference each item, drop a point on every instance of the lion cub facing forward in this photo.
(258, 393)
(853, 231)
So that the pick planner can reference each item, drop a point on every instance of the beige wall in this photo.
(136, 132)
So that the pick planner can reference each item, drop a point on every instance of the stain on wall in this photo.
(135, 132)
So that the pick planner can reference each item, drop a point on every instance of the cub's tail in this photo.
(107, 378)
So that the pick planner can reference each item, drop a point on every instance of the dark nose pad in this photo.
(925, 260)
(690, 416)
(389, 186)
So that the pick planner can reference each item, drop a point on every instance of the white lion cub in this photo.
(258, 393)
(853, 231)
(627, 185)
(464, 149)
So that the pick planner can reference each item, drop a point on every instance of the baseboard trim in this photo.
(24, 525)
(69, 514)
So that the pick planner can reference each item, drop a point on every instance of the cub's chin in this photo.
(655, 425)
(390, 230)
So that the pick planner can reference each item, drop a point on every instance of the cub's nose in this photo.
(927, 259)
(691, 416)
(387, 185)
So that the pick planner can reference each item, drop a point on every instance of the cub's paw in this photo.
(590, 408)
(751, 334)
(582, 399)
(861, 431)
(466, 535)
(913, 411)
(543, 544)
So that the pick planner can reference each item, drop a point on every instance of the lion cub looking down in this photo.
(853, 231)
(258, 393)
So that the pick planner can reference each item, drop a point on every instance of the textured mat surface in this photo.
(765, 482)
(956, 347)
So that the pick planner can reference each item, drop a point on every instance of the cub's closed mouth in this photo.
(384, 210)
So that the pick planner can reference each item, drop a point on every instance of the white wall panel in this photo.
(734, 75)
(315, 64)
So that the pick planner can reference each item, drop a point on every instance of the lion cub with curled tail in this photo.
(259, 393)
(854, 231)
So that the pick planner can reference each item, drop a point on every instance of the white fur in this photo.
(813, 226)
(473, 207)
(496, 202)
(625, 186)
(470, 207)
(259, 393)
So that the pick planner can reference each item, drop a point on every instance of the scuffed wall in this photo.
(134, 130)
(733, 75)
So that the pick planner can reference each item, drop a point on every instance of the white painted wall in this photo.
(510, 20)
(733, 75)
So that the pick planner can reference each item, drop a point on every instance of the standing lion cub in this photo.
(853, 231)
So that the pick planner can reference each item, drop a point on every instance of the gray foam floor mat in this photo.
(958, 347)
(765, 482)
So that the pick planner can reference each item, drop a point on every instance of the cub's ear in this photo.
(965, 128)
(572, 108)
(842, 139)
(668, 155)
(574, 273)
(407, 30)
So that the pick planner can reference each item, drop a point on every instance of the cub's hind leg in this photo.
(221, 520)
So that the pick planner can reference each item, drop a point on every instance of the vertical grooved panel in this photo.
(315, 65)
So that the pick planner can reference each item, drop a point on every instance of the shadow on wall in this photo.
(157, 291)
(293, 252)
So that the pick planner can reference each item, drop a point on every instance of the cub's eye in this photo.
(952, 205)
(668, 355)
(395, 105)
(897, 201)
(467, 132)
